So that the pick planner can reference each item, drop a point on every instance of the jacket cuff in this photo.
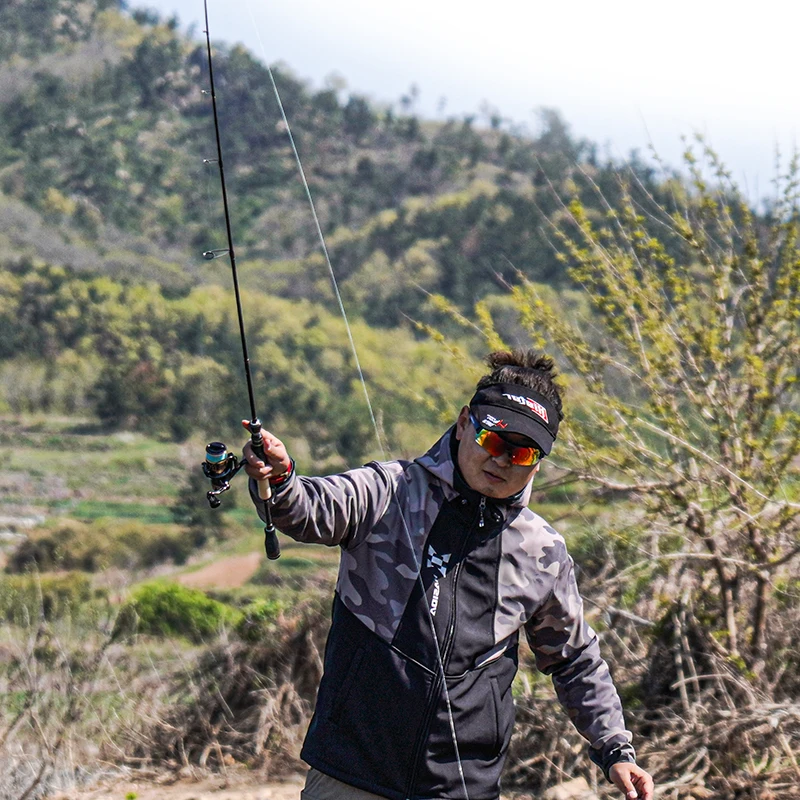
(280, 480)
(615, 754)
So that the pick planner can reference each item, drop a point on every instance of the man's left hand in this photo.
(634, 782)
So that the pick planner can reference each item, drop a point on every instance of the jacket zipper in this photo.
(445, 651)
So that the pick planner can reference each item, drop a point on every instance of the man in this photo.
(442, 565)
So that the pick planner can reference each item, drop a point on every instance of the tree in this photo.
(358, 117)
(691, 361)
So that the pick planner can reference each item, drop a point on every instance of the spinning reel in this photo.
(219, 467)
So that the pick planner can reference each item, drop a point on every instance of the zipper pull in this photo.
(481, 522)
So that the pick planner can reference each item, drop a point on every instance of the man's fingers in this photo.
(269, 439)
(629, 789)
(275, 459)
(255, 464)
(645, 785)
(624, 777)
(259, 474)
(634, 782)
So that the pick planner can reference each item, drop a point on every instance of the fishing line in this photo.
(209, 181)
(320, 235)
(324, 246)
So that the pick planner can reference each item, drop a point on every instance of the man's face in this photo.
(493, 476)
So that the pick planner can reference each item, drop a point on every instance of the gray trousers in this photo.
(322, 787)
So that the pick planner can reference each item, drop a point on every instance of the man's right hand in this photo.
(632, 780)
(278, 461)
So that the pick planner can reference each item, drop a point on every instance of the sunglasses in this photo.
(495, 445)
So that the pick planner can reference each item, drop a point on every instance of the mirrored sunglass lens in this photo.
(491, 443)
(525, 456)
(495, 445)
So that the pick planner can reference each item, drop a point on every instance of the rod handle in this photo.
(271, 544)
(264, 490)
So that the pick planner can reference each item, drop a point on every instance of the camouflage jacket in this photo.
(435, 583)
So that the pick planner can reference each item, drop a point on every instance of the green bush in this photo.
(169, 609)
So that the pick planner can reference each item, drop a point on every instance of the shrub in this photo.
(168, 609)
(260, 619)
(262, 694)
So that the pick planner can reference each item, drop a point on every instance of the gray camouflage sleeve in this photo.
(335, 510)
(567, 649)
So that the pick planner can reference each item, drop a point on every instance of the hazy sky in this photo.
(622, 73)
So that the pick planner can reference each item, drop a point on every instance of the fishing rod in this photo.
(222, 455)
(220, 466)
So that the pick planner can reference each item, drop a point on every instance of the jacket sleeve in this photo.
(335, 510)
(567, 649)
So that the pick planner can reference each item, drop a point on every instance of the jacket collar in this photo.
(440, 461)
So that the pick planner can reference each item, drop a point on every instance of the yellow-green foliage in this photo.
(56, 203)
(26, 598)
(97, 545)
(141, 359)
(259, 619)
(687, 367)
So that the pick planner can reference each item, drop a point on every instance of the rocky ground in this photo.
(241, 785)
(148, 786)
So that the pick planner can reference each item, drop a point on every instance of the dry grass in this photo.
(706, 725)
(240, 703)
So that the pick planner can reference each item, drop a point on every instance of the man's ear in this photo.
(462, 423)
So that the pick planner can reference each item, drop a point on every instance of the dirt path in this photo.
(227, 573)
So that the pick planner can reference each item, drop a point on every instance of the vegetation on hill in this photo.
(104, 133)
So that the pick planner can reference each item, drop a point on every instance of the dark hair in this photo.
(525, 368)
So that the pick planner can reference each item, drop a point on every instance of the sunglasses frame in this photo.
(481, 435)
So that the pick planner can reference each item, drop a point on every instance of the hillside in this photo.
(106, 199)
(105, 129)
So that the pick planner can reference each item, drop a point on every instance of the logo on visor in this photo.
(490, 421)
(537, 408)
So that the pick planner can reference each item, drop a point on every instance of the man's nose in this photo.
(503, 460)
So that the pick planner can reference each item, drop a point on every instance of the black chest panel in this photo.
(459, 573)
